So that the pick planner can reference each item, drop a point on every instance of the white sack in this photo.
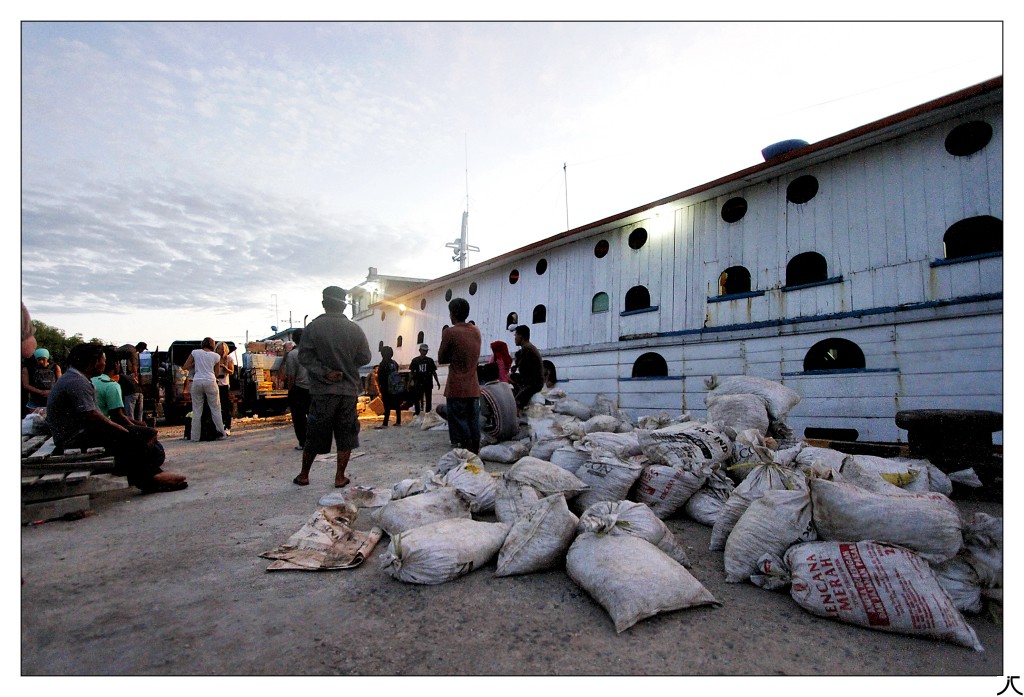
(961, 582)
(661, 420)
(541, 421)
(762, 478)
(506, 452)
(414, 511)
(778, 398)
(454, 458)
(608, 478)
(572, 407)
(407, 487)
(929, 524)
(601, 422)
(543, 449)
(630, 518)
(538, 540)
(475, 484)
(771, 524)
(442, 551)
(665, 489)
(621, 444)
(513, 500)
(738, 411)
(820, 461)
(546, 477)
(983, 547)
(631, 578)
(690, 441)
(706, 504)
(430, 419)
(570, 457)
(878, 586)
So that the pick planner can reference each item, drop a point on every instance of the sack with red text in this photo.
(878, 586)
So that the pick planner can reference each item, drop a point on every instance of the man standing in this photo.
(296, 381)
(424, 372)
(529, 376)
(130, 381)
(333, 349)
(76, 422)
(460, 349)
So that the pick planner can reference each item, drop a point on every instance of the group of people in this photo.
(209, 369)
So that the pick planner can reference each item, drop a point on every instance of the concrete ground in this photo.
(172, 584)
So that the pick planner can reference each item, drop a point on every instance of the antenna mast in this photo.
(565, 173)
(461, 244)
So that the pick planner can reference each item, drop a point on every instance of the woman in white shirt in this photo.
(204, 387)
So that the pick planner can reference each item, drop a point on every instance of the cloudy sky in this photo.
(188, 179)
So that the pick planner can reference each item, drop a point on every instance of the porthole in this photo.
(981, 234)
(650, 365)
(599, 303)
(380, 345)
(419, 338)
(472, 288)
(637, 238)
(398, 342)
(540, 314)
(601, 249)
(834, 354)
(968, 138)
(734, 209)
(735, 279)
(802, 189)
(448, 295)
(423, 304)
(382, 316)
(542, 266)
(808, 267)
(513, 276)
(512, 320)
(637, 298)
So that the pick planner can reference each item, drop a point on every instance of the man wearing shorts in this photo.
(460, 350)
(332, 350)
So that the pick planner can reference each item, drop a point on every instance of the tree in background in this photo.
(57, 343)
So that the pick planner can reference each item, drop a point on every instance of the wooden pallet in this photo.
(56, 485)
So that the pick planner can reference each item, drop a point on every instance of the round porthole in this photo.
(637, 238)
(968, 138)
(423, 304)
(601, 249)
(381, 316)
(802, 189)
(734, 209)
(448, 294)
(513, 276)
(472, 288)
(542, 266)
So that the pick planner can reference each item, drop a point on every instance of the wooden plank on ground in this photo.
(29, 444)
(42, 467)
(77, 476)
(45, 510)
(90, 485)
(53, 478)
(29, 479)
(44, 450)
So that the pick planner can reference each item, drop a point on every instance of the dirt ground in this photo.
(172, 584)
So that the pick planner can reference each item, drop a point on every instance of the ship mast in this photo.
(461, 244)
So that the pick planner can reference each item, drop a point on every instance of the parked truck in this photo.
(262, 378)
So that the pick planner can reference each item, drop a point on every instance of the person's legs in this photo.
(129, 404)
(298, 402)
(213, 397)
(138, 406)
(319, 431)
(426, 397)
(418, 399)
(458, 427)
(198, 400)
(346, 436)
(473, 424)
(224, 393)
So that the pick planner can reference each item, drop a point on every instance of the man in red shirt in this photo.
(460, 350)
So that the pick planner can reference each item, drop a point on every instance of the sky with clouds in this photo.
(180, 180)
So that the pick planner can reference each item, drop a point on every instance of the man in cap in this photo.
(424, 371)
(332, 350)
(460, 350)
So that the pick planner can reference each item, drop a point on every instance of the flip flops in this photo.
(299, 481)
(157, 488)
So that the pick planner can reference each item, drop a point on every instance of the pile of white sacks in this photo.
(866, 540)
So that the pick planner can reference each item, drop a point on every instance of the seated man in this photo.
(109, 397)
(76, 422)
(528, 373)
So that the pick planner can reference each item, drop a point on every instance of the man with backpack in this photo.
(392, 391)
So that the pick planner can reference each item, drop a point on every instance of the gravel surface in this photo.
(172, 584)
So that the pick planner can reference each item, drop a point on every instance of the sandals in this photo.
(299, 481)
(157, 488)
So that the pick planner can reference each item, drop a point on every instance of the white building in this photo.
(863, 271)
